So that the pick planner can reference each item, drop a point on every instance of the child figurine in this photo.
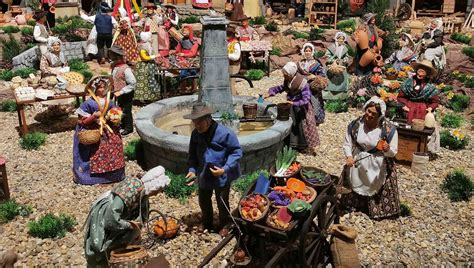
(124, 86)
(405, 55)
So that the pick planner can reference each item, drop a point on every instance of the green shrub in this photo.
(315, 34)
(350, 51)
(27, 31)
(32, 141)
(459, 102)
(254, 74)
(10, 209)
(6, 75)
(449, 140)
(458, 186)
(452, 121)
(8, 106)
(298, 35)
(33, 22)
(87, 75)
(336, 106)
(447, 88)
(51, 226)
(134, 149)
(276, 51)
(347, 25)
(271, 27)
(243, 183)
(405, 210)
(258, 64)
(259, 20)
(469, 83)
(10, 29)
(191, 19)
(461, 38)
(469, 51)
(11, 47)
(24, 72)
(319, 54)
(77, 65)
(178, 187)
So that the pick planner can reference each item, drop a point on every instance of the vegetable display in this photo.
(285, 162)
(315, 177)
(252, 207)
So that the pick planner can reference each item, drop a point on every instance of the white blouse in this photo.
(368, 175)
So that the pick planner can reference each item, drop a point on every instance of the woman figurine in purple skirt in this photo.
(104, 161)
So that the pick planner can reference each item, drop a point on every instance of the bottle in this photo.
(260, 106)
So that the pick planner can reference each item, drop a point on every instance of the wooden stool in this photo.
(4, 190)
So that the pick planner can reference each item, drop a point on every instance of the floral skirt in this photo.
(384, 204)
(148, 87)
(129, 46)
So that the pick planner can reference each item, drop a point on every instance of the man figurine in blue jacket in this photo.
(214, 154)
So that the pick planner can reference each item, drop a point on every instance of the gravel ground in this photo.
(439, 232)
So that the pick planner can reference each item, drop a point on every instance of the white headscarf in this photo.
(305, 46)
(123, 12)
(145, 37)
(290, 68)
(155, 180)
(53, 40)
(340, 48)
(377, 100)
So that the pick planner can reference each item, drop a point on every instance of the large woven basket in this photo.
(131, 256)
(88, 137)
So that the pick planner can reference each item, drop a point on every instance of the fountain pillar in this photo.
(214, 77)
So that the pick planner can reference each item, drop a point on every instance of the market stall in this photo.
(255, 48)
(284, 219)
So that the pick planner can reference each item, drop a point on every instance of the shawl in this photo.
(296, 84)
(310, 66)
(55, 60)
(130, 191)
(424, 94)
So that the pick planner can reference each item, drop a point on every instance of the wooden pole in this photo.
(413, 3)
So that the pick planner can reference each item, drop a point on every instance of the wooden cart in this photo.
(304, 244)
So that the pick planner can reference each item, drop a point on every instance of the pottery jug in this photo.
(430, 120)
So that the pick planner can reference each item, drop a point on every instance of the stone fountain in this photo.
(166, 134)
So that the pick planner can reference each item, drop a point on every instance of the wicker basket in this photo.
(326, 180)
(88, 137)
(131, 256)
(313, 194)
(418, 124)
(264, 212)
(391, 76)
(269, 222)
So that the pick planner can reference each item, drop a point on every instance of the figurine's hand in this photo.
(97, 114)
(217, 172)
(406, 109)
(386, 147)
(266, 95)
(290, 102)
(349, 161)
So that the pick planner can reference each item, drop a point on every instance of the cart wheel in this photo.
(314, 243)
(404, 12)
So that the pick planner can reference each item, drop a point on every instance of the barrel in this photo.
(250, 110)
(283, 111)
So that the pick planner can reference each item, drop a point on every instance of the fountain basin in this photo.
(260, 141)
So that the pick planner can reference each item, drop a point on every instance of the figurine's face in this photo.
(245, 23)
(56, 47)
(308, 53)
(341, 40)
(371, 114)
(372, 20)
(123, 25)
(150, 12)
(421, 74)
(402, 42)
(433, 25)
(101, 89)
(202, 124)
(185, 32)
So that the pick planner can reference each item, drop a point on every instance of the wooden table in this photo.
(411, 141)
(162, 75)
(20, 108)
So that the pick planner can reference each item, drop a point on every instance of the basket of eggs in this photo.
(162, 226)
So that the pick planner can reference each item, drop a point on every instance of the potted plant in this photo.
(231, 120)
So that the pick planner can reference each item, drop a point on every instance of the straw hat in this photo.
(117, 50)
(39, 15)
(199, 110)
(426, 64)
(367, 17)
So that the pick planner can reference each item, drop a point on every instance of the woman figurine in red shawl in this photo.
(188, 47)
(417, 93)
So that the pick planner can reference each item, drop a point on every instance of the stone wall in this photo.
(30, 57)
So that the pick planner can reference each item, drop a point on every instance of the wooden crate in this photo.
(409, 142)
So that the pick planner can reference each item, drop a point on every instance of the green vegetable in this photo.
(285, 157)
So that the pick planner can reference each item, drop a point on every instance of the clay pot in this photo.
(291, 13)
(28, 16)
(363, 37)
(20, 20)
(367, 58)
